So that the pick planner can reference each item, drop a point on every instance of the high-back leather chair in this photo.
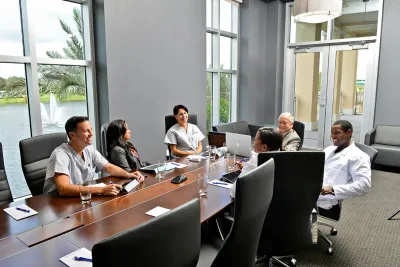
(335, 216)
(35, 155)
(253, 196)
(297, 185)
(172, 239)
(103, 140)
(299, 128)
(5, 192)
(171, 121)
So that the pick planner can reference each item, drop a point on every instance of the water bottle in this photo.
(314, 226)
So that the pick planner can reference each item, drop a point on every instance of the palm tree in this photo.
(65, 80)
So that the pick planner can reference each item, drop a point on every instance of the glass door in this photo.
(350, 88)
(329, 83)
(310, 91)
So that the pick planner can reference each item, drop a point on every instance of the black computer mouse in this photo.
(179, 179)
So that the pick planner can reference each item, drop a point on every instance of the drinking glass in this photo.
(161, 168)
(202, 182)
(213, 152)
(85, 191)
(230, 162)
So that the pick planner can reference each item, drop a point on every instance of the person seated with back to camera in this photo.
(121, 152)
(77, 161)
(183, 138)
(291, 140)
(266, 139)
(347, 171)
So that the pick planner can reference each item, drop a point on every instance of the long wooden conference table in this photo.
(64, 224)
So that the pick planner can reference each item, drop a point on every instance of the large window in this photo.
(45, 73)
(222, 53)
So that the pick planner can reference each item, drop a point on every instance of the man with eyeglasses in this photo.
(347, 171)
(291, 140)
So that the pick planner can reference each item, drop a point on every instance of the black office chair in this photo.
(171, 121)
(172, 239)
(35, 155)
(335, 213)
(299, 128)
(103, 140)
(297, 185)
(5, 191)
(253, 197)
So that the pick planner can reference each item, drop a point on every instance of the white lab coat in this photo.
(348, 171)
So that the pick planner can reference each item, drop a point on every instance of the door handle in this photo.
(322, 105)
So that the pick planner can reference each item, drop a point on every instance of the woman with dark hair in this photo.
(121, 152)
(267, 139)
(183, 138)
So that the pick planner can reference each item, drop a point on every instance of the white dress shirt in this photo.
(348, 172)
(248, 166)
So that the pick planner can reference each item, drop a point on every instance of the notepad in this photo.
(18, 214)
(179, 165)
(157, 211)
(83, 252)
(131, 185)
(196, 157)
(221, 184)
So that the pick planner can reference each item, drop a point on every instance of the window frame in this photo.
(216, 70)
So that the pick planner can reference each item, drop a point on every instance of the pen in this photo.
(111, 182)
(242, 160)
(82, 259)
(24, 210)
(176, 164)
(220, 183)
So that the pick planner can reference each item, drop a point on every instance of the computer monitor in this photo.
(238, 144)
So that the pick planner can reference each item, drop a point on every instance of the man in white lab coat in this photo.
(347, 171)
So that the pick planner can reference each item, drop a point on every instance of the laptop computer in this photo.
(238, 144)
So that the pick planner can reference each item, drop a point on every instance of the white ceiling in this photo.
(358, 6)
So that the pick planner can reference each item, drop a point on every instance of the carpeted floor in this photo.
(365, 236)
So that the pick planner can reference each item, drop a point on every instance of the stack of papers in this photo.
(221, 184)
(70, 258)
(20, 212)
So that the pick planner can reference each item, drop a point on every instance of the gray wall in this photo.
(261, 61)
(156, 58)
(387, 108)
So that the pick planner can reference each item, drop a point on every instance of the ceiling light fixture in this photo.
(317, 11)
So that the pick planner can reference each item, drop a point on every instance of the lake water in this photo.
(15, 126)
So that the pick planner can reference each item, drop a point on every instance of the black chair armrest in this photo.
(254, 129)
(370, 137)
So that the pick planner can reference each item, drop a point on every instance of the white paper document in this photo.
(326, 197)
(196, 157)
(221, 184)
(69, 259)
(98, 185)
(20, 214)
(179, 165)
(157, 211)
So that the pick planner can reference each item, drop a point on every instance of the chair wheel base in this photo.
(330, 251)
(293, 262)
(334, 231)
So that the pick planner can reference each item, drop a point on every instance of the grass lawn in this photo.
(43, 98)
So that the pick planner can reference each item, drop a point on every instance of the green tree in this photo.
(2, 83)
(66, 80)
(225, 97)
(15, 87)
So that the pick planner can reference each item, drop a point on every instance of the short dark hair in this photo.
(271, 137)
(178, 107)
(346, 125)
(72, 123)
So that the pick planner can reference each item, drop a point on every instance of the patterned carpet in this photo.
(365, 236)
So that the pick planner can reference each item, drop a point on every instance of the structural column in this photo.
(306, 89)
(337, 86)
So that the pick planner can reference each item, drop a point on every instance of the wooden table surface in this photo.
(104, 217)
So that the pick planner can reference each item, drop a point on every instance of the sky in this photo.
(44, 15)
